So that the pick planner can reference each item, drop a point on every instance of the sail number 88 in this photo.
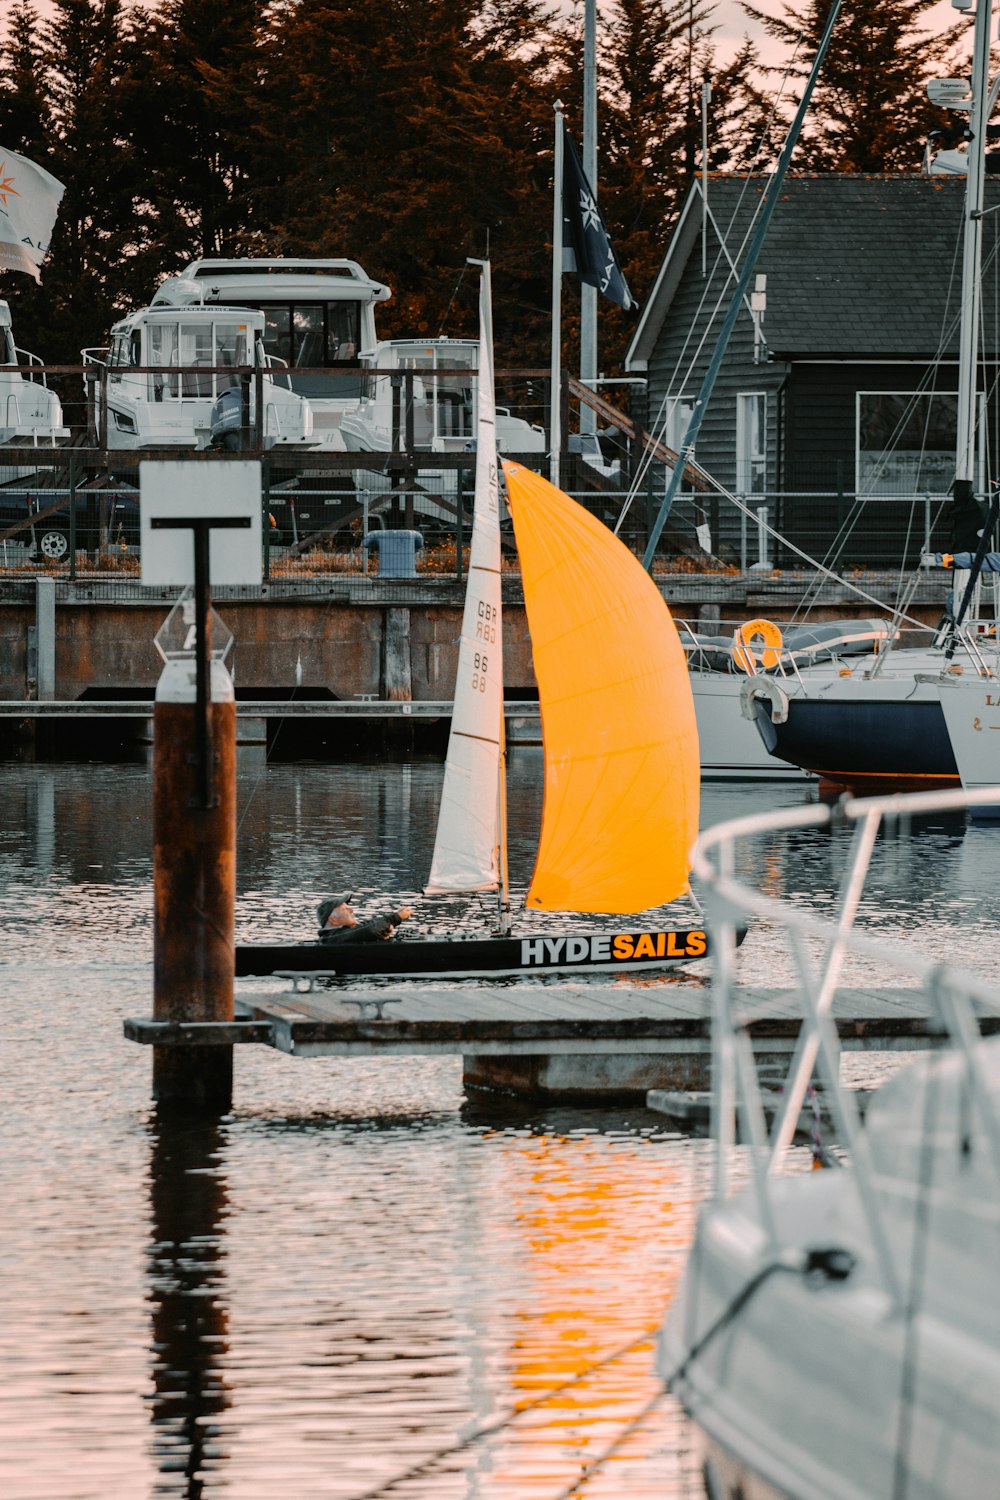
(480, 667)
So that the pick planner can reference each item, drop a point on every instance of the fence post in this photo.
(265, 473)
(762, 563)
(72, 515)
(258, 422)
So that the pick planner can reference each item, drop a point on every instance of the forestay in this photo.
(468, 835)
(620, 811)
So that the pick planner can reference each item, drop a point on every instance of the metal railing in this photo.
(406, 483)
(952, 996)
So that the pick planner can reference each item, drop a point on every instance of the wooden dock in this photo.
(601, 1041)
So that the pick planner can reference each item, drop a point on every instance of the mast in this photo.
(555, 360)
(469, 837)
(965, 454)
(588, 293)
(770, 200)
(503, 871)
(487, 381)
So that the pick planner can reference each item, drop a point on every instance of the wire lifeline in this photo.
(787, 1263)
(491, 1428)
(589, 1470)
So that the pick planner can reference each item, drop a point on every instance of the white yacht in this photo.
(185, 391)
(30, 413)
(881, 727)
(971, 708)
(837, 1332)
(430, 412)
(318, 315)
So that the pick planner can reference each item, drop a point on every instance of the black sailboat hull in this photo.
(867, 746)
(613, 951)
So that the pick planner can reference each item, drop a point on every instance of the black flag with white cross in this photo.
(586, 246)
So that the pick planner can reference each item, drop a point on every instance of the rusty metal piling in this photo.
(194, 881)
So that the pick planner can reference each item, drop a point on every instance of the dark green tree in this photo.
(408, 138)
(870, 111)
(78, 60)
(25, 116)
(189, 97)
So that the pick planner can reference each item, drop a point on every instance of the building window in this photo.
(906, 443)
(751, 443)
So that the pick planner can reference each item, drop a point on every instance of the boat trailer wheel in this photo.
(54, 545)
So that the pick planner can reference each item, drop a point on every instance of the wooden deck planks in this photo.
(550, 1019)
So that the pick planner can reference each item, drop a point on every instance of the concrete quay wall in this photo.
(348, 640)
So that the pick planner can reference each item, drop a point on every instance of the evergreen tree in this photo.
(25, 121)
(76, 64)
(407, 138)
(870, 111)
(189, 98)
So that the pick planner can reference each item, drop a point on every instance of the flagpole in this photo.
(588, 294)
(555, 373)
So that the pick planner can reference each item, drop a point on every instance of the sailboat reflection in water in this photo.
(621, 779)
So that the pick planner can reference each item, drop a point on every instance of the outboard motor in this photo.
(226, 422)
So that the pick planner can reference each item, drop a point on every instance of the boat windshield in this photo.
(316, 336)
(191, 350)
(443, 404)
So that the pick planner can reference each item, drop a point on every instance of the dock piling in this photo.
(194, 849)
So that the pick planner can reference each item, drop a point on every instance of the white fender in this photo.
(764, 688)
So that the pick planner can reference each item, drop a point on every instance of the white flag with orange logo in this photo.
(29, 202)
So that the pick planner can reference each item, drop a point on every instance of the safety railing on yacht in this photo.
(952, 995)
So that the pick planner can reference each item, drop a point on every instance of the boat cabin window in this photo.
(189, 351)
(316, 336)
(121, 353)
(443, 405)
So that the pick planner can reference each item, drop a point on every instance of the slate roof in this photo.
(862, 266)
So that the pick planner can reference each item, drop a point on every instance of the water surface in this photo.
(359, 1267)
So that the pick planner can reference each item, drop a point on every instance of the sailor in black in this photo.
(339, 924)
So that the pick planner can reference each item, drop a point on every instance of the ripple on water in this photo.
(358, 1266)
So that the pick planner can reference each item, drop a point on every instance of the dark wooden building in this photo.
(835, 405)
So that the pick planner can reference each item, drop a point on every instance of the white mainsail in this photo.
(466, 850)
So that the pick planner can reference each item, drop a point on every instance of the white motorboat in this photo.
(30, 413)
(169, 377)
(437, 413)
(836, 1335)
(318, 316)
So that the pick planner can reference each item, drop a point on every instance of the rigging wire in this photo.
(596, 1464)
(661, 421)
(794, 1262)
(456, 289)
(829, 574)
(490, 1429)
(925, 387)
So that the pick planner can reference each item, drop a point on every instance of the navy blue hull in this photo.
(889, 744)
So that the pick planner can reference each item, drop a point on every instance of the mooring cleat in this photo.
(369, 1005)
(304, 981)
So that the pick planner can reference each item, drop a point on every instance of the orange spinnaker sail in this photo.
(621, 747)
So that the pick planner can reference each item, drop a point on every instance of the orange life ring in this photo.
(747, 636)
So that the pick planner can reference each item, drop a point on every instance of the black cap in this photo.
(324, 908)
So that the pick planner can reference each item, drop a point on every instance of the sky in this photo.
(733, 24)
